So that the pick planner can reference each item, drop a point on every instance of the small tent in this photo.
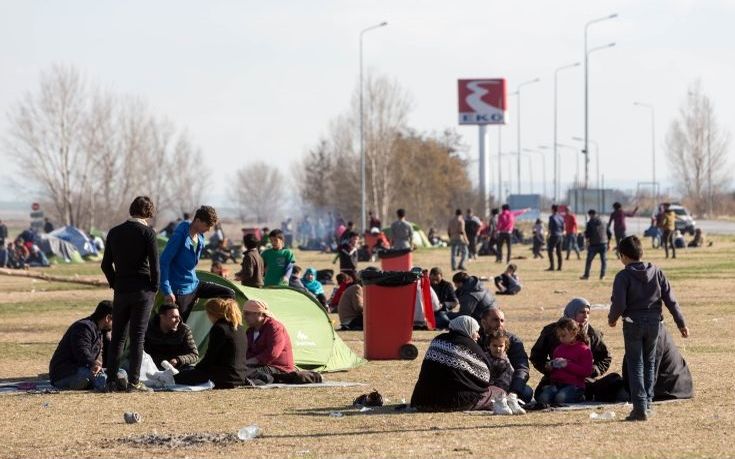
(58, 250)
(76, 237)
(419, 237)
(316, 346)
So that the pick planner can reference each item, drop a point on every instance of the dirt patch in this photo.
(187, 440)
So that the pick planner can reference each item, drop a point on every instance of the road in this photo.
(639, 224)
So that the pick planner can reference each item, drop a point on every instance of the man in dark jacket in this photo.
(252, 263)
(474, 298)
(167, 338)
(597, 244)
(542, 352)
(556, 234)
(130, 264)
(77, 361)
(493, 320)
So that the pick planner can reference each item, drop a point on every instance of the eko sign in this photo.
(482, 101)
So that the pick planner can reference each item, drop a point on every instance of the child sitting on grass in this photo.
(501, 375)
(572, 363)
(508, 283)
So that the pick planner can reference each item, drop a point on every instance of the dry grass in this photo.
(296, 422)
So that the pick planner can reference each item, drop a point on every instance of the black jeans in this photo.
(130, 315)
(472, 245)
(204, 290)
(553, 244)
(503, 238)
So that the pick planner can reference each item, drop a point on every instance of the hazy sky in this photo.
(263, 79)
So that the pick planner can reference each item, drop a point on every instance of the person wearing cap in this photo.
(77, 360)
(542, 351)
(269, 346)
(224, 360)
(169, 339)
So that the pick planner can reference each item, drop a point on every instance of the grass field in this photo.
(296, 422)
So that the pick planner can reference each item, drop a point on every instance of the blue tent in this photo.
(77, 238)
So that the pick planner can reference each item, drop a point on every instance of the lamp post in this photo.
(653, 144)
(362, 133)
(587, 53)
(556, 115)
(543, 165)
(518, 93)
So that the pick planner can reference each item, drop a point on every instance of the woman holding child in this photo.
(542, 352)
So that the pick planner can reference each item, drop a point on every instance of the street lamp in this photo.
(653, 142)
(587, 53)
(556, 154)
(362, 133)
(518, 93)
(543, 165)
(597, 157)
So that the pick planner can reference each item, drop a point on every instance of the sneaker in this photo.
(637, 415)
(138, 387)
(584, 277)
(500, 406)
(515, 405)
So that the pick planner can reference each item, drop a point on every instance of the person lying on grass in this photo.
(77, 361)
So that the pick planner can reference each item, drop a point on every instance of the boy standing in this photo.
(252, 263)
(278, 260)
(638, 293)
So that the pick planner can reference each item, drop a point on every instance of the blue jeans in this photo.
(560, 394)
(83, 379)
(592, 250)
(571, 242)
(640, 339)
(462, 248)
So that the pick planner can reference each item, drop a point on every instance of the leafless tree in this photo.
(697, 150)
(258, 189)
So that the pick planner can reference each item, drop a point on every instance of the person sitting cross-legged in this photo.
(169, 339)
(269, 346)
(77, 361)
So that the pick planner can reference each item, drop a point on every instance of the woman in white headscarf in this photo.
(542, 352)
(455, 374)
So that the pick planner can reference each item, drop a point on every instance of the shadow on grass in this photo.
(17, 379)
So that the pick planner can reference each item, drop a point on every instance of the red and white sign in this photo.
(482, 101)
(35, 206)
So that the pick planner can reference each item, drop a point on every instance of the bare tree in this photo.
(46, 132)
(258, 189)
(697, 150)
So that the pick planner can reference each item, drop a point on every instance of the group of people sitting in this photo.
(22, 255)
(235, 356)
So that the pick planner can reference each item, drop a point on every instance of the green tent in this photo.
(161, 241)
(316, 346)
(420, 239)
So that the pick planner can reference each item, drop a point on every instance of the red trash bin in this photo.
(388, 316)
(396, 260)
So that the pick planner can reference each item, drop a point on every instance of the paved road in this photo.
(639, 224)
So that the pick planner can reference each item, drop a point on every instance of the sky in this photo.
(251, 80)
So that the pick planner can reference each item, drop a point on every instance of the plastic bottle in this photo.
(249, 432)
(606, 416)
(336, 414)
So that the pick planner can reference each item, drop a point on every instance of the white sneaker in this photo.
(515, 405)
(500, 406)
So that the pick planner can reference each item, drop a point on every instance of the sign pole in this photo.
(483, 183)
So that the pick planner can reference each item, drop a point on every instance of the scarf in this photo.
(314, 286)
(465, 325)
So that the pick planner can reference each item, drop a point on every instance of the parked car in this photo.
(684, 221)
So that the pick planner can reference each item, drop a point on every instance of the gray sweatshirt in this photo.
(639, 290)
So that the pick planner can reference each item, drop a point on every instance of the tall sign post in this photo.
(482, 102)
(37, 218)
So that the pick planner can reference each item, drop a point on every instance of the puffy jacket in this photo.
(474, 298)
(596, 231)
(81, 347)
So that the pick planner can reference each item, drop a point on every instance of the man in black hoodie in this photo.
(474, 298)
(77, 361)
(597, 243)
(639, 291)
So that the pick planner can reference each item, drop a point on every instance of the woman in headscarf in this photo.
(455, 374)
(542, 352)
(224, 361)
(313, 286)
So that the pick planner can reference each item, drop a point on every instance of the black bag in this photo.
(388, 278)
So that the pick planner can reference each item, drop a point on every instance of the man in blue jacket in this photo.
(77, 361)
(179, 282)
